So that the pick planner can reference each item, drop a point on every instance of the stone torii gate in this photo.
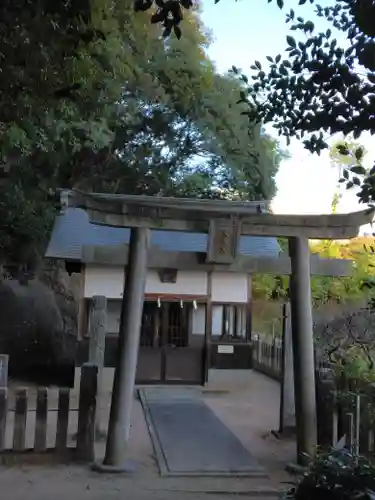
(225, 222)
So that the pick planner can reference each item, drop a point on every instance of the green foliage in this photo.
(266, 317)
(45, 96)
(111, 106)
(346, 152)
(168, 14)
(318, 87)
(348, 155)
(357, 366)
(335, 475)
(327, 289)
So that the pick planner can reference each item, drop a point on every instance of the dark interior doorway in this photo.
(165, 354)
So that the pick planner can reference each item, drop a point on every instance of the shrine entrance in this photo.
(224, 222)
(168, 352)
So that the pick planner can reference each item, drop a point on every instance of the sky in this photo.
(247, 30)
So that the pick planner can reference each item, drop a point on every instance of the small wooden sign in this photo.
(225, 349)
(223, 238)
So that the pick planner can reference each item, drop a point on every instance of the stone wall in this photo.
(38, 324)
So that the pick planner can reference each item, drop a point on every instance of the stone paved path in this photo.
(246, 402)
(190, 440)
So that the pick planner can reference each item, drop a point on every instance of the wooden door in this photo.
(149, 368)
(165, 354)
(183, 361)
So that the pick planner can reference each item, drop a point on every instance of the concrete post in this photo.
(124, 380)
(287, 404)
(303, 348)
(97, 331)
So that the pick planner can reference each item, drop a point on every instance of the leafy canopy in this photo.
(112, 106)
(319, 86)
(44, 89)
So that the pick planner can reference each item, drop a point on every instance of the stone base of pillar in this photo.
(129, 467)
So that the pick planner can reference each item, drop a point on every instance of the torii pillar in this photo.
(303, 348)
(116, 457)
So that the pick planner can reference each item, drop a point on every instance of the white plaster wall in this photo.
(198, 320)
(104, 280)
(217, 320)
(188, 282)
(229, 287)
(109, 281)
(113, 316)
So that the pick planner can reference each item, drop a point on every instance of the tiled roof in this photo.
(72, 231)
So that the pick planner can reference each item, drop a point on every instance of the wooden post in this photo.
(259, 351)
(20, 417)
(4, 363)
(248, 312)
(275, 358)
(357, 423)
(208, 327)
(86, 413)
(40, 439)
(130, 329)
(62, 420)
(3, 416)
(370, 441)
(351, 432)
(98, 326)
(165, 307)
(335, 420)
(287, 407)
(303, 349)
(82, 304)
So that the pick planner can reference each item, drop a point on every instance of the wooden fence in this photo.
(38, 434)
(345, 408)
(346, 411)
(267, 357)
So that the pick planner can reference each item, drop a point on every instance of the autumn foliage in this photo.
(327, 289)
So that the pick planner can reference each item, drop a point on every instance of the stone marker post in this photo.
(4, 362)
(97, 332)
(287, 404)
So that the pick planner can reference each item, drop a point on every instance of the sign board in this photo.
(223, 237)
(225, 349)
